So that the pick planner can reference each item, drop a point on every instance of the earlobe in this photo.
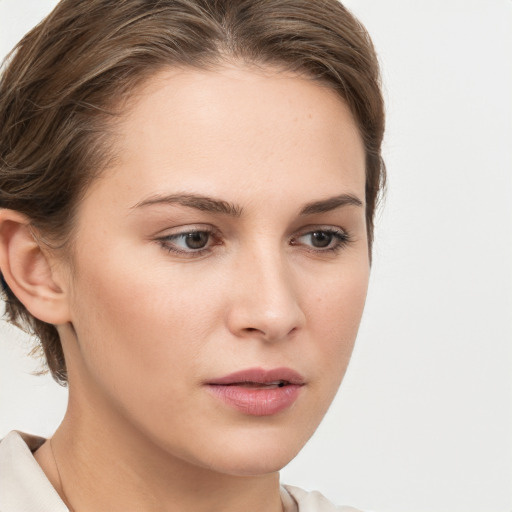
(27, 270)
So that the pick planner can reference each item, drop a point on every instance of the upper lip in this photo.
(260, 376)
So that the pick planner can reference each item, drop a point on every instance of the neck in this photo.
(107, 464)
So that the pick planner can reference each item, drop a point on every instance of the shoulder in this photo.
(16, 440)
(23, 484)
(309, 501)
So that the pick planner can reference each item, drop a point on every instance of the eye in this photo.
(196, 239)
(321, 240)
(192, 242)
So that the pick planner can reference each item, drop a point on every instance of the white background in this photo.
(423, 420)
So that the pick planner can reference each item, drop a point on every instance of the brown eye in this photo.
(197, 239)
(189, 242)
(321, 239)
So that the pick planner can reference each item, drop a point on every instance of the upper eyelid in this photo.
(212, 233)
(184, 229)
(321, 227)
(187, 232)
(341, 233)
(192, 228)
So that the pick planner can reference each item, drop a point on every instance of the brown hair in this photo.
(60, 84)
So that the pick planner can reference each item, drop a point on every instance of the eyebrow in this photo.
(203, 203)
(332, 203)
(209, 204)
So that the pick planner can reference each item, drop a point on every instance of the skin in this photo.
(144, 327)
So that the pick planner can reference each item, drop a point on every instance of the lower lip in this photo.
(257, 401)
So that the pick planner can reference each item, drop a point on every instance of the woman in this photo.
(187, 191)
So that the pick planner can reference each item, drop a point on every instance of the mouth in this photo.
(254, 377)
(258, 392)
(258, 385)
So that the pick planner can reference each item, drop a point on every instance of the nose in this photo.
(266, 303)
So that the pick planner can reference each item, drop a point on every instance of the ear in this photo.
(28, 270)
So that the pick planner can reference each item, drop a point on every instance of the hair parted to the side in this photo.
(61, 85)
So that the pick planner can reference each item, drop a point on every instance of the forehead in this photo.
(237, 130)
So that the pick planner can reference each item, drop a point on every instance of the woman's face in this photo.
(220, 268)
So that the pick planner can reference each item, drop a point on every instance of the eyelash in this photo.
(165, 242)
(340, 238)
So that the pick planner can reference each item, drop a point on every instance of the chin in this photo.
(256, 454)
(252, 464)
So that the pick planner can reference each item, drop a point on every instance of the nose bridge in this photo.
(267, 303)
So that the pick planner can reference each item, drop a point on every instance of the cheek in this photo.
(138, 325)
(334, 318)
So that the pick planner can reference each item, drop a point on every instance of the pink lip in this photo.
(240, 390)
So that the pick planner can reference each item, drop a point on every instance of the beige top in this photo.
(25, 488)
